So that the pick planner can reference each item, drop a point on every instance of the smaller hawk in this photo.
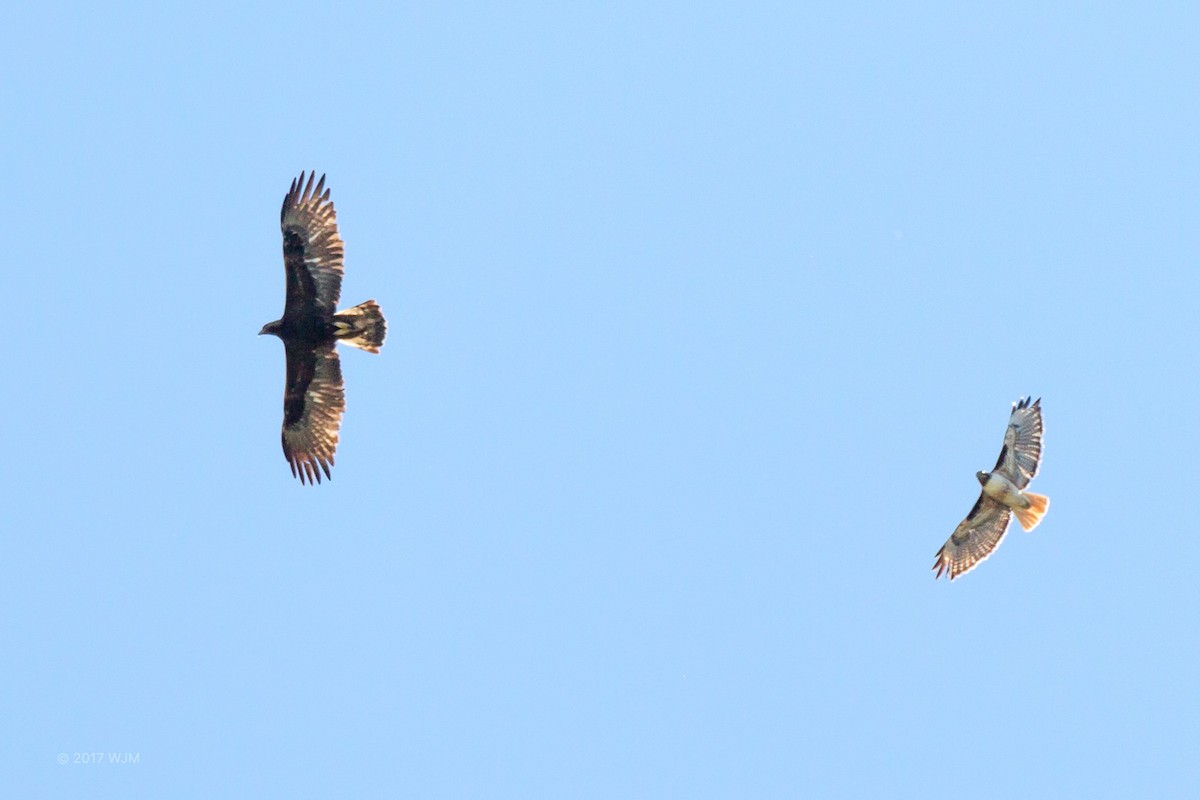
(980, 533)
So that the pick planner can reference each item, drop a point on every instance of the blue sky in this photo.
(701, 319)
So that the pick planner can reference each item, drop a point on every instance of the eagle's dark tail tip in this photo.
(362, 326)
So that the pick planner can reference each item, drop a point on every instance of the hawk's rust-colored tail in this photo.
(362, 326)
(1030, 517)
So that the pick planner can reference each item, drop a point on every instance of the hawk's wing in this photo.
(312, 249)
(313, 403)
(974, 539)
(1022, 443)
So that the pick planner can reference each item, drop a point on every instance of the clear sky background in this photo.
(701, 319)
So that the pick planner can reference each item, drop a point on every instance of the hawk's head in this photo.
(982, 477)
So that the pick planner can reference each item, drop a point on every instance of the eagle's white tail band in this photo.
(362, 326)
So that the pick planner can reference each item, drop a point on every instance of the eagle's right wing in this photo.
(974, 539)
(312, 249)
(313, 403)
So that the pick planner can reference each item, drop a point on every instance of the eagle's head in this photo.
(271, 328)
(982, 477)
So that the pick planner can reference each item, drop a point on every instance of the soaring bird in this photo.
(313, 399)
(980, 533)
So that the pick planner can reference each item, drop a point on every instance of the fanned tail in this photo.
(362, 326)
(1030, 517)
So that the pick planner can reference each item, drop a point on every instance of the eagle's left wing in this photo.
(312, 249)
(974, 539)
(313, 403)
(1022, 451)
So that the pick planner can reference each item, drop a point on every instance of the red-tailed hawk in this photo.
(980, 533)
(313, 400)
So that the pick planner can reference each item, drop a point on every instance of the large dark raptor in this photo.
(311, 327)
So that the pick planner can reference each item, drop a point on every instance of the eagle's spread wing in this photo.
(974, 539)
(313, 403)
(312, 249)
(1022, 449)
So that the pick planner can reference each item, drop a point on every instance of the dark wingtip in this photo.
(308, 187)
(301, 191)
(309, 472)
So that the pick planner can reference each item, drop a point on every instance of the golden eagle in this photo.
(313, 400)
